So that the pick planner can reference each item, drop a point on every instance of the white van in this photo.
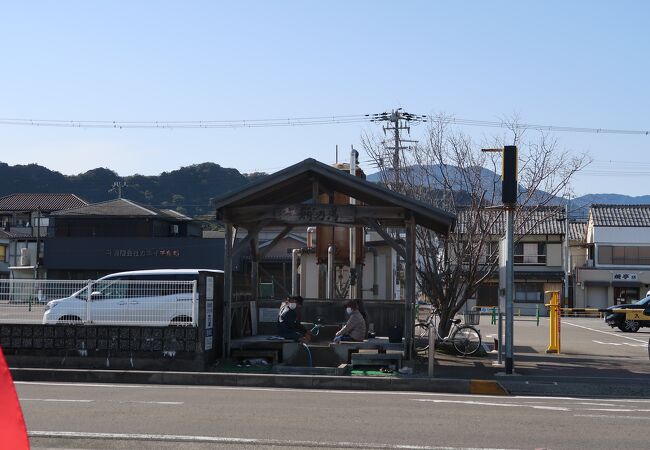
(142, 297)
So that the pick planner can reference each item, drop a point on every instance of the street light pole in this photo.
(509, 191)
(510, 275)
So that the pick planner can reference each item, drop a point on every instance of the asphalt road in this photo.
(131, 416)
(580, 336)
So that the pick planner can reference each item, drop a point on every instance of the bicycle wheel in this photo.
(466, 340)
(421, 337)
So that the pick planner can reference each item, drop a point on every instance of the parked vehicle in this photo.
(144, 297)
(615, 318)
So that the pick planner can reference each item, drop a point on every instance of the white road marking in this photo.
(620, 343)
(552, 408)
(604, 332)
(608, 409)
(471, 402)
(596, 404)
(71, 400)
(150, 403)
(608, 416)
(464, 402)
(231, 440)
(251, 389)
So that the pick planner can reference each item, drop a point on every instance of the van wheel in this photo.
(69, 320)
(181, 321)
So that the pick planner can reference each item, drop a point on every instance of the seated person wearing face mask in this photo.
(355, 327)
(289, 326)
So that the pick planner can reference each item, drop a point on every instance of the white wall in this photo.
(621, 235)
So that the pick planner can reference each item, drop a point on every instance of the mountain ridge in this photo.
(190, 189)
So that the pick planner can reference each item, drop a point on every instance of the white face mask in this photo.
(348, 310)
(292, 306)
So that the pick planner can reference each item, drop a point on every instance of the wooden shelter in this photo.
(290, 198)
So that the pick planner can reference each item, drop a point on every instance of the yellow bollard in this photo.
(554, 319)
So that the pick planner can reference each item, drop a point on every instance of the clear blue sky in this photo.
(578, 63)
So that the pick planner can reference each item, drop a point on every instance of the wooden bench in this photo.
(345, 349)
(391, 360)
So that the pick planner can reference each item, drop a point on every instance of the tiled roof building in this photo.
(38, 201)
(620, 215)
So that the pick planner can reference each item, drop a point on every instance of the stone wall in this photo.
(102, 346)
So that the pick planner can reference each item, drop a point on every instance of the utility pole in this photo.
(566, 261)
(398, 120)
(117, 187)
(38, 244)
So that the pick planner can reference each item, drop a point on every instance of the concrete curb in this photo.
(440, 385)
(565, 388)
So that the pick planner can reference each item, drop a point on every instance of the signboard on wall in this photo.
(625, 276)
(209, 324)
(209, 288)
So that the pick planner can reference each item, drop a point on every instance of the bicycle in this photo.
(465, 338)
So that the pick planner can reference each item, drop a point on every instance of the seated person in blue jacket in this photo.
(289, 326)
(355, 327)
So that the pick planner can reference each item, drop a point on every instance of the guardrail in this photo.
(580, 312)
(99, 302)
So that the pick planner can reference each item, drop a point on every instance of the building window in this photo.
(624, 255)
(529, 292)
(530, 253)
(3, 253)
(604, 254)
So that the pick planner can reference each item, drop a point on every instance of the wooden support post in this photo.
(386, 237)
(227, 291)
(409, 297)
(255, 265)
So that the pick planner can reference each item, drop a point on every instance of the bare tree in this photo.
(447, 171)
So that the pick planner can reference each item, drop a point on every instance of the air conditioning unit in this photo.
(24, 257)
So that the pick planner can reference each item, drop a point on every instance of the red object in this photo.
(13, 433)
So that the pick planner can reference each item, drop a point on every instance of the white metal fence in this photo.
(102, 302)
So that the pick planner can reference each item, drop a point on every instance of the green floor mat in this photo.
(371, 373)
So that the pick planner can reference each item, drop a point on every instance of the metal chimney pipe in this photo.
(331, 251)
(295, 254)
(353, 229)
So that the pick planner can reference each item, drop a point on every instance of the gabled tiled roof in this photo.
(294, 185)
(15, 235)
(174, 214)
(538, 221)
(120, 207)
(36, 201)
(577, 231)
(620, 215)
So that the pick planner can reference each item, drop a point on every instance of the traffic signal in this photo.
(509, 175)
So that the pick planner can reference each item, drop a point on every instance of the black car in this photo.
(617, 319)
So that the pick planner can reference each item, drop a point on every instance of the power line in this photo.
(300, 121)
(191, 124)
(503, 124)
